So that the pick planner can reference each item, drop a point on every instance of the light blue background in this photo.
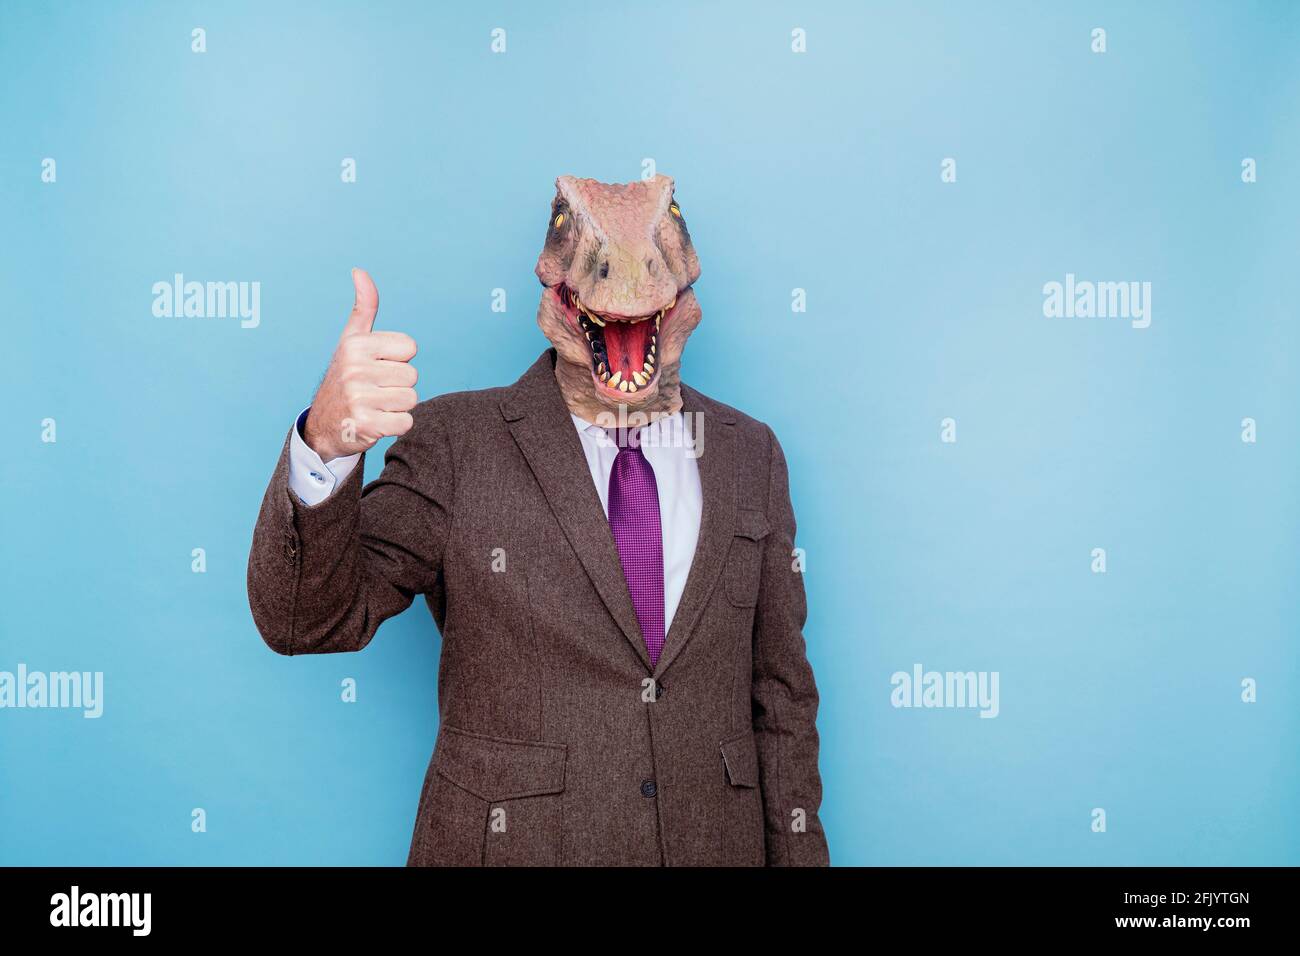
(818, 171)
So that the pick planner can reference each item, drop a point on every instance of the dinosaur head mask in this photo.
(617, 267)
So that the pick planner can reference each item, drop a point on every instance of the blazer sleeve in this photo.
(784, 694)
(322, 578)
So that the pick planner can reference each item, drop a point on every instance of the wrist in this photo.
(318, 443)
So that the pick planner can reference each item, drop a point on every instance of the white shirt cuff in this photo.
(311, 479)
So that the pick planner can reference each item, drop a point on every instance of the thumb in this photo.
(364, 305)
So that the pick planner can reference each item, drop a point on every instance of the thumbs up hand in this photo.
(369, 388)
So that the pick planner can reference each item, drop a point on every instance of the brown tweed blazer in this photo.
(558, 742)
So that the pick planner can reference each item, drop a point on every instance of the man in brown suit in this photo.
(623, 677)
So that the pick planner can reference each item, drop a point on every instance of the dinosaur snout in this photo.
(652, 266)
(629, 282)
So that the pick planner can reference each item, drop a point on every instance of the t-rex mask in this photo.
(618, 266)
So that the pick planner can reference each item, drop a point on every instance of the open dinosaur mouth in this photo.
(624, 351)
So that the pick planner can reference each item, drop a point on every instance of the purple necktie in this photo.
(634, 519)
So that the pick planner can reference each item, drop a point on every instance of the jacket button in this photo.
(659, 690)
(648, 788)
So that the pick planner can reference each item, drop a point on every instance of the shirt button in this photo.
(318, 476)
(648, 788)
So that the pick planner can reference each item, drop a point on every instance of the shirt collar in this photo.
(660, 428)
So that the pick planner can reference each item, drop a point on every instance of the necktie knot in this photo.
(626, 437)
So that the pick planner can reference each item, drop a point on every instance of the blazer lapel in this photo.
(717, 465)
(539, 420)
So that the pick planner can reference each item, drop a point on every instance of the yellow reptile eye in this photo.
(675, 210)
(559, 220)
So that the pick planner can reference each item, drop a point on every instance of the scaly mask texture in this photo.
(618, 266)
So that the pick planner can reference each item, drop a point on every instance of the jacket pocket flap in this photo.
(498, 768)
(740, 755)
(751, 524)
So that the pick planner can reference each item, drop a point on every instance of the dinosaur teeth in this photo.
(609, 348)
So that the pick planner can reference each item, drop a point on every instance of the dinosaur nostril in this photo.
(652, 265)
(604, 269)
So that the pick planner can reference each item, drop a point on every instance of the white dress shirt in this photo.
(664, 443)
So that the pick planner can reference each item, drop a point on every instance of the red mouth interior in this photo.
(627, 344)
(623, 351)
